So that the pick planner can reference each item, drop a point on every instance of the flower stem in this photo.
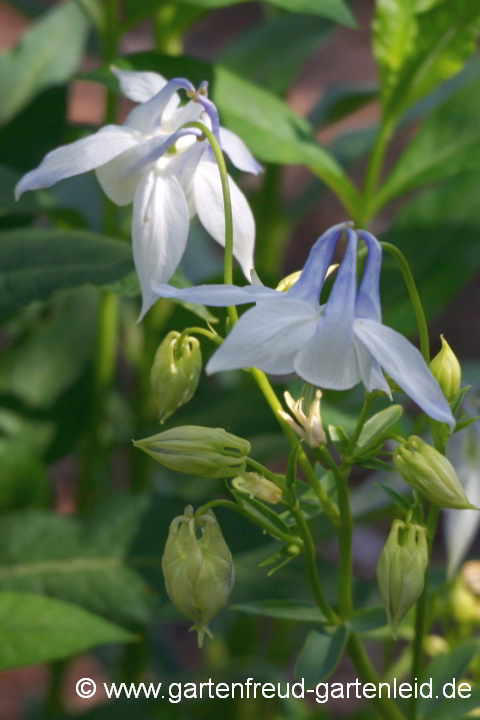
(414, 297)
(374, 170)
(227, 201)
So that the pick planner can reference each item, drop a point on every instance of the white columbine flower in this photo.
(336, 345)
(167, 172)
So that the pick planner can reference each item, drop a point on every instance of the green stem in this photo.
(202, 331)
(414, 297)
(328, 506)
(421, 609)
(374, 170)
(385, 706)
(288, 539)
(310, 555)
(227, 201)
(367, 404)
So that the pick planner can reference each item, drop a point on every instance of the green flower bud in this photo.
(446, 369)
(198, 568)
(401, 570)
(289, 281)
(207, 452)
(428, 471)
(464, 600)
(175, 373)
(258, 486)
(435, 645)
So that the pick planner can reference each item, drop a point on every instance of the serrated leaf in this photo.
(321, 654)
(35, 263)
(48, 54)
(296, 610)
(79, 561)
(376, 426)
(35, 629)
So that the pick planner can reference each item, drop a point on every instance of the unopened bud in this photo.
(175, 373)
(258, 486)
(471, 574)
(207, 452)
(447, 371)
(289, 281)
(464, 602)
(401, 570)
(198, 568)
(428, 471)
(308, 427)
(435, 645)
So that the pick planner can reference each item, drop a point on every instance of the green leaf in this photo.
(367, 619)
(457, 707)
(445, 39)
(376, 426)
(35, 263)
(443, 669)
(395, 30)
(272, 131)
(48, 54)
(447, 144)
(24, 479)
(262, 514)
(296, 610)
(36, 629)
(292, 467)
(339, 437)
(79, 561)
(397, 499)
(321, 654)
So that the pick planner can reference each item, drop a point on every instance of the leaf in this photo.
(292, 467)
(397, 499)
(296, 610)
(377, 425)
(367, 619)
(79, 561)
(443, 669)
(35, 263)
(447, 144)
(339, 437)
(446, 38)
(24, 479)
(266, 517)
(457, 707)
(395, 30)
(272, 131)
(35, 629)
(48, 54)
(321, 654)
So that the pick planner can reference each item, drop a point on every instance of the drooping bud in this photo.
(446, 369)
(175, 373)
(428, 471)
(198, 568)
(401, 570)
(258, 486)
(308, 427)
(207, 452)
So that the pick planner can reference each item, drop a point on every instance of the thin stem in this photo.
(310, 555)
(203, 331)
(367, 403)
(289, 539)
(387, 707)
(227, 201)
(375, 167)
(329, 507)
(414, 297)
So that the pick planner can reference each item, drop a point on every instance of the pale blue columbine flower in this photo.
(336, 345)
(167, 172)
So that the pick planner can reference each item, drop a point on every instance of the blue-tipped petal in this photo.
(310, 283)
(145, 117)
(218, 295)
(404, 363)
(368, 296)
(267, 337)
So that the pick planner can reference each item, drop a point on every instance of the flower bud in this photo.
(308, 427)
(198, 568)
(464, 601)
(447, 371)
(175, 373)
(401, 570)
(428, 471)
(258, 486)
(435, 645)
(289, 281)
(207, 452)
(471, 575)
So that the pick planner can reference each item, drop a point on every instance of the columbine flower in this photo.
(334, 346)
(309, 427)
(167, 172)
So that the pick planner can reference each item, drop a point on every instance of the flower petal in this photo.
(238, 152)
(191, 112)
(268, 337)
(310, 283)
(330, 359)
(139, 86)
(406, 366)
(368, 296)
(159, 232)
(147, 116)
(78, 157)
(216, 295)
(209, 205)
